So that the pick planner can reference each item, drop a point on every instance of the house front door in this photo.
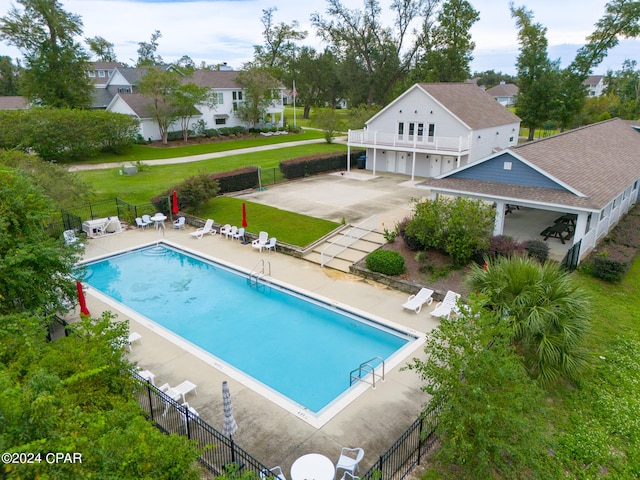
(401, 164)
(436, 162)
(391, 161)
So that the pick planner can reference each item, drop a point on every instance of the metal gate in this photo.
(571, 259)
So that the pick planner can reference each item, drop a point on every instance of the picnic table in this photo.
(557, 230)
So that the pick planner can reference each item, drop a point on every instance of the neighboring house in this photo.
(433, 128)
(13, 103)
(591, 173)
(114, 86)
(595, 85)
(504, 93)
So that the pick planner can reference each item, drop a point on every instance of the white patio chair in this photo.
(415, 302)
(275, 472)
(208, 228)
(271, 244)
(147, 219)
(134, 337)
(232, 232)
(179, 391)
(349, 476)
(225, 229)
(447, 305)
(349, 459)
(140, 223)
(239, 234)
(261, 241)
(179, 223)
(71, 239)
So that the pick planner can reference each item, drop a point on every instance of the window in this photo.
(218, 98)
(237, 99)
(401, 128)
(101, 73)
(432, 131)
(92, 73)
(220, 121)
(124, 89)
(420, 130)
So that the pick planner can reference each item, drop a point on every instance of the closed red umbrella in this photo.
(81, 300)
(244, 215)
(175, 208)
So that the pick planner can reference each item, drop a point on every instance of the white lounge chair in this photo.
(179, 391)
(239, 234)
(415, 302)
(225, 229)
(271, 244)
(179, 223)
(447, 305)
(349, 459)
(261, 241)
(71, 239)
(275, 472)
(134, 337)
(140, 223)
(208, 228)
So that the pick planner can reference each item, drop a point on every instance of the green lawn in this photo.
(288, 227)
(152, 181)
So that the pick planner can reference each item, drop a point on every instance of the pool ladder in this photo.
(260, 272)
(365, 368)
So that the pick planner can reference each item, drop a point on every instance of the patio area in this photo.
(373, 421)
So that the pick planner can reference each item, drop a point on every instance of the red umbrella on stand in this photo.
(175, 209)
(244, 215)
(83, 302)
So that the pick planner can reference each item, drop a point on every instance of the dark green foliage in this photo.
(313, 164)
(411, 241)
(196, 190)
(459, 227)
(62, 134)
(537, 249)
(237, 180)
(502, 245)
(387, 262)
(612, 262)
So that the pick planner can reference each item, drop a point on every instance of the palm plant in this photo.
(548, 313)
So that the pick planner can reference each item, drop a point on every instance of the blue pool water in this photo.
(287, 341)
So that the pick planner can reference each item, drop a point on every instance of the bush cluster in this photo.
(613, 257)
(505, 246)
(314, 164)
(386, 262)
(62, 134)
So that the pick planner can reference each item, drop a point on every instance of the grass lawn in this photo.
(146, 152)
(288, 227)
(597, 424)
(141, 187)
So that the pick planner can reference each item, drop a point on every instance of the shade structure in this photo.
(175, 208)
(229, 427)
(81, 300)
(244, 215)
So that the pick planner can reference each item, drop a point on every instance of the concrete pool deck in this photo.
(273, 435)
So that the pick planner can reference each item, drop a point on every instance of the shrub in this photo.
(503, 245)
(613, 262)
(537, 249)
(192, 193)
(313, 164)
(411, 241)
(386, 262)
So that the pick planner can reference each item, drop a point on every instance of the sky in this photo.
(216, 31)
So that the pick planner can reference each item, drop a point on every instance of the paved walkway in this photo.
(204, 156)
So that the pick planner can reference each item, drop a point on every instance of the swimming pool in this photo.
(290, 342)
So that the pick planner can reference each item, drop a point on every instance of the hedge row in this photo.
(612, 259)
(314, 164)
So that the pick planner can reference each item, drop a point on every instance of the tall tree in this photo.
(9, 77)
(184, 100)
(147, 51)
(625, 85)
(56, 65)
(159, 86)
(538, 77)
(448, 56)
(102, 49)
(382, 54)
(279, 47)
(260, 89)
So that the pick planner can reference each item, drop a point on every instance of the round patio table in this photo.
(159, 219)
(313, 466)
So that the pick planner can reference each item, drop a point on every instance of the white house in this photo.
(434, 128)
(590, 174)
(595, 85)
(504, 93)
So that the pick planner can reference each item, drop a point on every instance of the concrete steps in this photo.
(345, 257)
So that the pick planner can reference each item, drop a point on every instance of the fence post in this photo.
(150, 401)
(420, 439)
(186, 412)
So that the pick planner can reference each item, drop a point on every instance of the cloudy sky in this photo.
(216, 31)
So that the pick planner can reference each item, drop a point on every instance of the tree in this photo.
(490, 414)
(376, 54)
(147, 52)
(159, 86)
(35, 269)
(56, 65)
(329, 121)
(625, 85)
(102, 49)
(279, 47)
(184, 100)
(260, 89)
(449, 53)
(9, 77)
(538, 77)
(547, 312)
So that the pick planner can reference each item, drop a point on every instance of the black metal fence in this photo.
(408, 451)
(169, 416)
(571, 259)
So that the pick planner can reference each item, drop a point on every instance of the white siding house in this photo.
(432, 129)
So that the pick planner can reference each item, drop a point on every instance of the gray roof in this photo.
(215, 79)
(593, 80)
(503, 90)
(142, 104)
(12, 103)
(600, 161)
(471, 104)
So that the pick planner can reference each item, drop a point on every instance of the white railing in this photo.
(418, 142)
(345, 240)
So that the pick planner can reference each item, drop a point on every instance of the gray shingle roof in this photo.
(503, 90)
(12, 103)
(471, 104)
(215, 78)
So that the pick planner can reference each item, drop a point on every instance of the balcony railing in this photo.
(422, 143)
